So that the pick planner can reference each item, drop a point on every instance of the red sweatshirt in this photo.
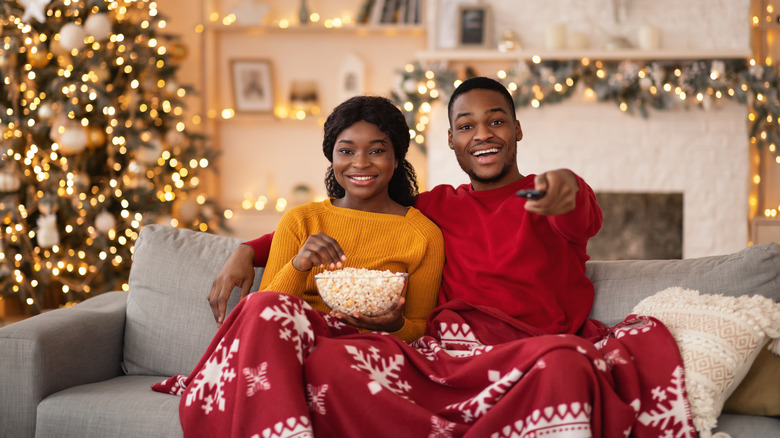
(498, 254)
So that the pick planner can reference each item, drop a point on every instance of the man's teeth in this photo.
(486, 151)
(362, 178)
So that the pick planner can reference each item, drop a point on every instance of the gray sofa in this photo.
(85, 371)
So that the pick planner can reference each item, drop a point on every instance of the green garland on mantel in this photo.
(635, 87)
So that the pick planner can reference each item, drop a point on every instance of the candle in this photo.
(555, 37)
(649, 37)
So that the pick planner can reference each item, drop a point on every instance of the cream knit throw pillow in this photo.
(719, 338)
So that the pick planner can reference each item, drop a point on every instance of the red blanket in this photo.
(277, 368)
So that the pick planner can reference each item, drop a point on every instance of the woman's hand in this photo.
(391, 321)
(319, 250)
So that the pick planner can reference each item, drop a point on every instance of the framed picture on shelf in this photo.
(474, 25)
(253, 88)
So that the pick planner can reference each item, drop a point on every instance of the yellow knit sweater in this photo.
(410, 243)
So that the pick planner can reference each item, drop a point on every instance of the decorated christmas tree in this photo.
(94, 145)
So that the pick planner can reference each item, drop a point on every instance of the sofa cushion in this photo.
(759, 392)
(620, 285)
(122, 406)
(748, 426)
(719, 338)
(169, 322)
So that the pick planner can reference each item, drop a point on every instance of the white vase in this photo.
(250, 12)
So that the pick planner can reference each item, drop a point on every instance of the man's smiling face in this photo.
(484, 136)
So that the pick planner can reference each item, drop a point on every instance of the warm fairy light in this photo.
(229, 19)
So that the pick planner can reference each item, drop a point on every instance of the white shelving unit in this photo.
(317, 28)
(476, 55)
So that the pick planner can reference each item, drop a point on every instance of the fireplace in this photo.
(639, 226)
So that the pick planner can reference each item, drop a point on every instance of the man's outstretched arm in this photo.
(238, 270)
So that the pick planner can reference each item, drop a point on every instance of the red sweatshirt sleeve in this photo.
(261, 246)
(584, 221)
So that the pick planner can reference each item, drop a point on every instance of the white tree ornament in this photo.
(72, 36)
(73, 138)
(34, 9)
(150, 152)
(98, 26)
(104, 221)
(9, 181)
(47, 234)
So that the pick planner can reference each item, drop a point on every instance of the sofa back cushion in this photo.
(169, 322)
(620, 285)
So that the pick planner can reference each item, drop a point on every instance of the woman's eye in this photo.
(345, 151)
(377, 151)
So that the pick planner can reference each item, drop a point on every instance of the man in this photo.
(514, 275)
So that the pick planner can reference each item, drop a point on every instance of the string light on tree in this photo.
(94, 145)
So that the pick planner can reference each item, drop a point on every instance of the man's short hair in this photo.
(480, 83)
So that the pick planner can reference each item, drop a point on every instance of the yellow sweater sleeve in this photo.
(410, 243)
(279, 274)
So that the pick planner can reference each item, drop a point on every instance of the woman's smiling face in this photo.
(363, 164)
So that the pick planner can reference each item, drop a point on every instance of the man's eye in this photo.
(464, 127)
(498, 122)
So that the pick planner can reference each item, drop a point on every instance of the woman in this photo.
(250, 377)
(371, 188)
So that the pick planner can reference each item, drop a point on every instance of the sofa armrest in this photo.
(56, 350)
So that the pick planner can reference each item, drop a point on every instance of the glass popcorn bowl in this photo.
(364, 291)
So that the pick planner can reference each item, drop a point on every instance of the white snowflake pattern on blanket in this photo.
(479, 405)
(665, 415)
(212, 378)
(383, 371)
(295, 326)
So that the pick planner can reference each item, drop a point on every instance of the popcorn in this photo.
(357, 290)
